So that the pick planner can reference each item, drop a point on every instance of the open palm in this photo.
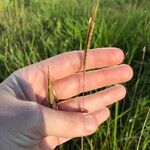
(66, 72)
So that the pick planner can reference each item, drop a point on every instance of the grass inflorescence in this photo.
(51, 93)
(87, 45)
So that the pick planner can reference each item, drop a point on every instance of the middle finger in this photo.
(73, 85)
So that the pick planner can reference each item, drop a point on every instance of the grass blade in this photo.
(138, 146)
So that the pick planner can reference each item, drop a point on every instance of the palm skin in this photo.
(66, 72)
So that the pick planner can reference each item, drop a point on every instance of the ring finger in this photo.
(95, 101)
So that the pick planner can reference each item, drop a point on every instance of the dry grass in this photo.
(51, 93)
(87, 45)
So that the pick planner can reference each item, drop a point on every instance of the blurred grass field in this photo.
(32, 30)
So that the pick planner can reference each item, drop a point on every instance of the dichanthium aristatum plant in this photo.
(87, 45)
(52, 101)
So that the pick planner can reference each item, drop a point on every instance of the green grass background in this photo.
(32, 30)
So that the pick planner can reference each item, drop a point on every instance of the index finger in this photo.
(69, 63)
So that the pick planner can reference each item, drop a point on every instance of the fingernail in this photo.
(90, 123)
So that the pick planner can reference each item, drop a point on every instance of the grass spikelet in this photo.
(51, 93)
(87, 45)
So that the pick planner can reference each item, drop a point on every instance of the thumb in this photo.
(72, 124)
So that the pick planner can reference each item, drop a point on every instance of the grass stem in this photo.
(143, 129)
(87, 45)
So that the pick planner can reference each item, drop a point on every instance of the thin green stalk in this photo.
(138, 80)
(143, 129)
(139, 75)
(90, 143)
(134, 94)
(115, 127)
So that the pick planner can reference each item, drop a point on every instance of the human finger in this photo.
(96, 101)
(73, 85)
(72, 124)
(68, 63)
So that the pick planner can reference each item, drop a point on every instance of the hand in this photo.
(27, 122)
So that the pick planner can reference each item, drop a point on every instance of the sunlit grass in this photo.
(32, 30)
